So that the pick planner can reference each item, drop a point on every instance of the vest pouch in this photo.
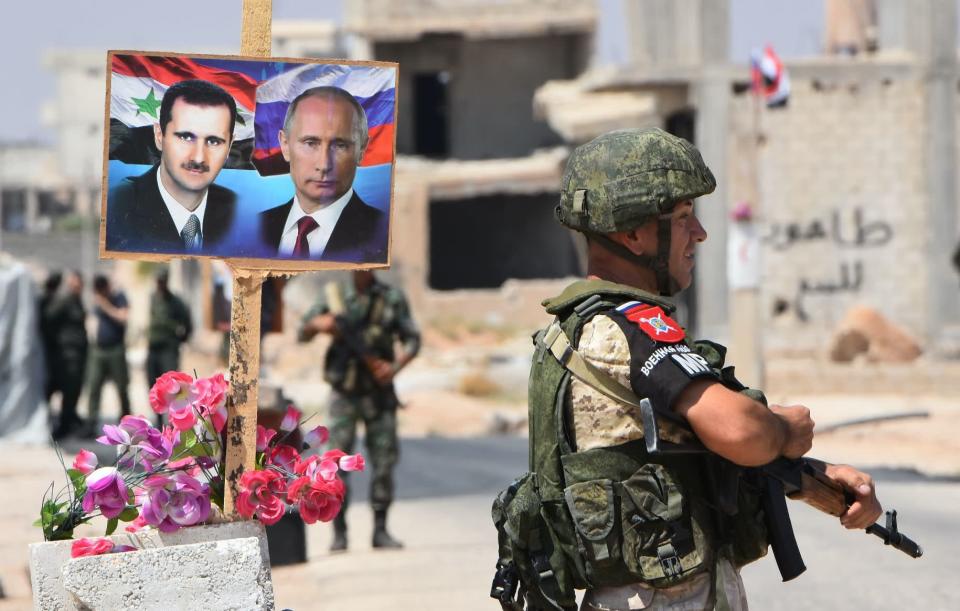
(658, 538)
(594, 511)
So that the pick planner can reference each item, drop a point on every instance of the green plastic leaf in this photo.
(128, 515)
(111, 526)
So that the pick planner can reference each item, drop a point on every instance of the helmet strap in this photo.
(660, 263)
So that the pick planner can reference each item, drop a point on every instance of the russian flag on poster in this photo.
(769, 77)
(374, 87)
(137, 85)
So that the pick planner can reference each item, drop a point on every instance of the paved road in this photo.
(445, 489)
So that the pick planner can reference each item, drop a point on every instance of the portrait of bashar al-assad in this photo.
(175, 207)
(324, 136)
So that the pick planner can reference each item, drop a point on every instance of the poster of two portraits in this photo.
(278, 160)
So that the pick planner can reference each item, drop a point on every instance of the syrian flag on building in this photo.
(137, 85)
(769, 77)
(374, 87)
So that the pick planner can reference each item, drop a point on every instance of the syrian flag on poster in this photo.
(137, 85)
(373, 87)
(769, 77)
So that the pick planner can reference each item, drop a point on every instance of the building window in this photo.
(480, 242)
(431, 116)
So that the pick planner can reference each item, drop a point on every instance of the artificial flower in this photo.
(85, 462)
(172, 390)
(318, 499)
(106, 490)
(171, 501)
(260, 493)
(317, 436)
(283, 456)
(90, 547)
(264, 435)
(291, 419)
(352, 463)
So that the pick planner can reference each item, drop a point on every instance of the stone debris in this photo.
(866, 331)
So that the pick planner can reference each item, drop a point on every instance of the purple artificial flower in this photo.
(171, 501)
(107, 490)
(150, 446)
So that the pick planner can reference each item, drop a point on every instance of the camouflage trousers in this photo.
(382, 446)
(107, 363)
(697, 594)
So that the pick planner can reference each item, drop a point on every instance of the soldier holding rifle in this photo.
(366, 319)
(616, 384)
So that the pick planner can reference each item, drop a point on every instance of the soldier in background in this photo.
(170, 326)
(48, 330)
(366, 318)
(108, 359)
(69, 358)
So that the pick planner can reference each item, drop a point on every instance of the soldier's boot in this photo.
(381, 538)
(339, 543)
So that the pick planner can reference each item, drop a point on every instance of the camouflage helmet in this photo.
(622, 179)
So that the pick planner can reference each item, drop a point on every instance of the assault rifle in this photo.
(801, 479)
(351, 337)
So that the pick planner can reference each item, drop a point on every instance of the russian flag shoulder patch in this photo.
(653, 321)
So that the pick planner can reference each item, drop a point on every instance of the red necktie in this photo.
(305, 225)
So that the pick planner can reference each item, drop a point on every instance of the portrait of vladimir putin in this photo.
(175, 207)
(323, 138)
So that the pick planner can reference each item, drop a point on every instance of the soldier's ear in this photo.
(639, 240)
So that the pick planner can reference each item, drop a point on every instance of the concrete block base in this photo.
(219, 566)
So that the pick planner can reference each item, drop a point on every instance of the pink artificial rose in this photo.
(264, 435)
(352, 463)
(316, 467)
(188, 465)
(318, 499)
(106, 490)
(260, 493)
(85, 462)
(183, 418)
(172, 390)
(211, 392)
(90, 547)
(317, 436)
(291, 419)
(218, 417)
(283, 456)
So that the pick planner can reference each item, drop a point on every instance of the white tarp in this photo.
(23, 411)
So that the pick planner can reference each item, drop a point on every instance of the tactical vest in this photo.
(343, 370)
(616, 515)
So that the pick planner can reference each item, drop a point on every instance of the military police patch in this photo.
(653, 321)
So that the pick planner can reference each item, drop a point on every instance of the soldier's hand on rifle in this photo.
(798, 429)
(321, 323)
(382, 371)
(865, 508)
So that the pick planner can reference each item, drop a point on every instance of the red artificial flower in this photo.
(260, 493)
(319, 499)
(90, 547)
(283, 456)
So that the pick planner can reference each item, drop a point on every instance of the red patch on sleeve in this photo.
(654, 322)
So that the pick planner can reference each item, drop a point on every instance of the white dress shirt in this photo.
(178, 213)
(317, 239)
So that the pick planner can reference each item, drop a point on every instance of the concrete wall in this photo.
(843, 201)
(490, 88)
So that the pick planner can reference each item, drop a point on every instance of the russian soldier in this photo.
(646, 531)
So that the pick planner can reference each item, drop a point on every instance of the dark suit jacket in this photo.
(138, 220)
(359, 237)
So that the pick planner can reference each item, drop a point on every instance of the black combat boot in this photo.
(381, 538)
(339, 534)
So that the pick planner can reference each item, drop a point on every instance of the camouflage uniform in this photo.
(382, 317)
(170, 325)
(108, 360)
